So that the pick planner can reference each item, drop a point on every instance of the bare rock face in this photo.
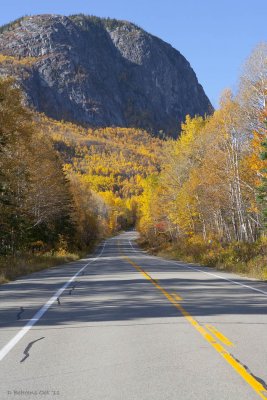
(101, 72)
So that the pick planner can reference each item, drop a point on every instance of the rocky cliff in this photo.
(101, 72)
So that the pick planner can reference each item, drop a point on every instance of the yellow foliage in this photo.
(113, 162)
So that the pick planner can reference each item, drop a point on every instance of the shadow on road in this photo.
(112, 290)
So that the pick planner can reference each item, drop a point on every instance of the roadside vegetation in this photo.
(14, 267)
(209, 203)
(248, 259)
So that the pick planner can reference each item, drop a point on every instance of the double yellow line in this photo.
(239, 368)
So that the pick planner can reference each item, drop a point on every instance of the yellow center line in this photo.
(239, 368)
(219, 335)
(177, 297)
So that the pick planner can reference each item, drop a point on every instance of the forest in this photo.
(201, 198)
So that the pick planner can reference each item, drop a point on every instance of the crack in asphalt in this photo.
(260, 380)
(26, 351)
(20, 312)
(73, 287)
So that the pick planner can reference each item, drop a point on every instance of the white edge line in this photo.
(207, 273)
(219, 276)
(132, 246)
(9, 346)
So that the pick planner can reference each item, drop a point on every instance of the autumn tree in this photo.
(262, 196)
(16, 130)
(35, 201)
(252, 94)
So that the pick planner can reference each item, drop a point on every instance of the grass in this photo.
(13, 267)
(247, 259)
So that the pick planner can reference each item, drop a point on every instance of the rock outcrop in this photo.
(101, 72)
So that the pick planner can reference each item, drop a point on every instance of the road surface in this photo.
(126, 325)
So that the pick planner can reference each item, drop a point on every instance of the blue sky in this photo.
(216, 36)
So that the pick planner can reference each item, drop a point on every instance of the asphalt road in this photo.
(133, 326)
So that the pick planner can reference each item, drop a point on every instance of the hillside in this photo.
(110, 159)
(112, 164)
(100, 72)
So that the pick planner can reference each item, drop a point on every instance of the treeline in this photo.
(11, 25)
(211, 193)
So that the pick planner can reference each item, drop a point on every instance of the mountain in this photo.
(100, 72)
